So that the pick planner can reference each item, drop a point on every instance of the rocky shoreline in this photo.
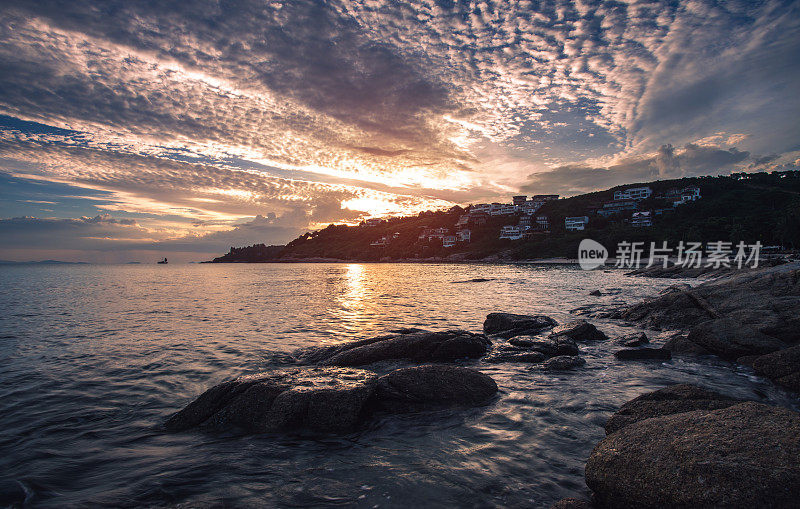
(682, 446)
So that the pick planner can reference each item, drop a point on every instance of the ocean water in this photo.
(94, 358)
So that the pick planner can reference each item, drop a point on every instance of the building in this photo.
(633, 193)
(464, 235)
(462, 221)
(686, 195)
(642, 219)
(542, 223)
(519, 200)
(502, 209)
(449, 241)
(616, 207)
(574, 224)
(480, 208)
(511, 233)
(381, 242)
(526, 221)
(544, 197)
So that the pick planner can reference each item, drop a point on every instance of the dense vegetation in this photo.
(749, 207)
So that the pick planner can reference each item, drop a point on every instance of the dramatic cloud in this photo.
(194, 117)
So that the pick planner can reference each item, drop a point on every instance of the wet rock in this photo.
(558, 345)
(329, 399)
(417, 346)
(780, 366)
(633, 340)
(432, 387)
(679, 344)
(767, 300)
(514, 354)
(563, 362)
(596, 293)
(747, 360)
(578, 330)
(508, 325)
(572, 503)
(314, 398)
(669, 400)
(744, 456)
(731, 339)
(637, 354)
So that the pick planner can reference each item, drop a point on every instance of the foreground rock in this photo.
(730, 339)
(329, 399)
(745, 455)
(639, 354)
(514, 354)
(411, 345)
(555, 345)
(782, 367)
(767, 300)
(318, 399)
(433, 387)
(508, 325)
(670, 400)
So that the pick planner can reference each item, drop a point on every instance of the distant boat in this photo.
(163, 261)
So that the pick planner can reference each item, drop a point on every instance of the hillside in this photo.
(749, 207)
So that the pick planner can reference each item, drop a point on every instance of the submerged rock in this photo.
(329, 399)
(563, 362)
(633, 340)
(508, 325)
(596, 293)
(514, 354)
(578, 330)
(557, 345)
(744, 456)
(635, 354)
(572, 503)
(670, 400)
(417, 346)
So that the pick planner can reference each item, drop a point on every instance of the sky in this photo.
(135, 130)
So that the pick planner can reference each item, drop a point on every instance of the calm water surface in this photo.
(94, 358)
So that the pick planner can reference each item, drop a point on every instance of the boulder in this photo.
(731, 339)
(578, 330)
(433, 387)
(329, 399)
(637, 354)
(744, 456)
(563, 362)
(416, 346)
(791, 382)
(508, 325)
(670, 400)
(681, 345)
(596, 293)
(316, 398)
(633, 340)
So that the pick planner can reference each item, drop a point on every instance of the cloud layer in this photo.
(195, 117)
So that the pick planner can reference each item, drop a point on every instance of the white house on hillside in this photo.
(633, 193)
(574, 224)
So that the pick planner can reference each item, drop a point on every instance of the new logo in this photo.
(591, 254)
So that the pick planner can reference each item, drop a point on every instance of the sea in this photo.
(94, 358)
